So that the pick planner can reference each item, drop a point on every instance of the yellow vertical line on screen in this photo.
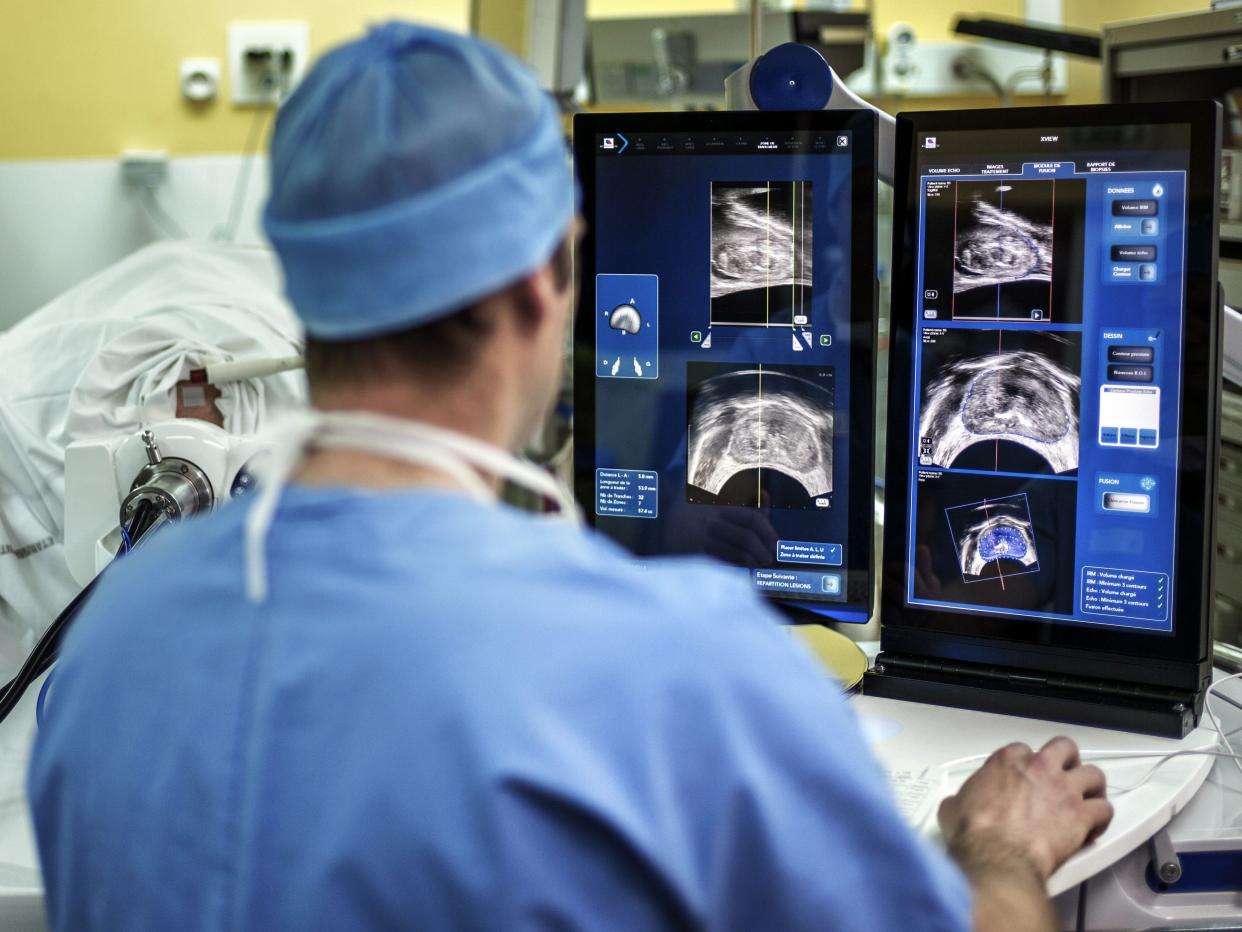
(767, 265)
(793, 252)
(802, 247)
(759, 469)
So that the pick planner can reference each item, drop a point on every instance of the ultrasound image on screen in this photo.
(761, 254)
(760, 435)
(1005, 249)
(995, 541)
(1000, 400)
(992, 535)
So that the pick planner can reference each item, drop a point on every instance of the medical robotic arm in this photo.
(119, 490)
(796, 77)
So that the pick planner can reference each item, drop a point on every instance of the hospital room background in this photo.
(83, 82)
(136, 125)
(136, 133)
(133, 175)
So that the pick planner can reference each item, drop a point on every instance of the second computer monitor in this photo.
(1052, 388)
(724, 388)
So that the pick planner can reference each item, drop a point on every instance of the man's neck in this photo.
(462, 409)
(335, 468)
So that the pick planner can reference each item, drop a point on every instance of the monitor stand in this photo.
(1037, 693)
(1168, 713)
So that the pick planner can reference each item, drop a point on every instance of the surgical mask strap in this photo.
(442, 462)
(445, 451)
(413, 441)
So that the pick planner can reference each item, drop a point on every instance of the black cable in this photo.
(44, 654)
(145, 516)
(47, 650)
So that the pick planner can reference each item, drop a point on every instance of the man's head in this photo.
(422, 205)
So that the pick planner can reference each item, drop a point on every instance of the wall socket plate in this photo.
(200, 79)
(257, 74)
(144, 167)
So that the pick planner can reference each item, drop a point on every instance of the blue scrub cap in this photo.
(414, 171)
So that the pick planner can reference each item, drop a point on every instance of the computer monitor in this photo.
(1052, 412)
(724, 344)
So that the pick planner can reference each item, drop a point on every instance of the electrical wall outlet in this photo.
(266, 60)
(200, 79)
(144, 168)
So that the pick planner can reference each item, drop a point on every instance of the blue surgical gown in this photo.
(451, 715)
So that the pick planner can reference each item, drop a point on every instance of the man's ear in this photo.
(534, 297)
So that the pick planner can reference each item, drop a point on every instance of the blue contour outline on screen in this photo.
(1026, 503)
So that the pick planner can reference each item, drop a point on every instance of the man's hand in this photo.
(1016, 820)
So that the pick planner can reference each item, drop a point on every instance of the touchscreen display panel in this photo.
(1046, 373)
(721, 299)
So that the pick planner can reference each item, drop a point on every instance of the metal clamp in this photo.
(153, 451)
(175, 487)
(1164, 859)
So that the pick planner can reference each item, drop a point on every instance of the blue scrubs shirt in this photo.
(455, 716)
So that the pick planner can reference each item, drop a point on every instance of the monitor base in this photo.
(1030, 694)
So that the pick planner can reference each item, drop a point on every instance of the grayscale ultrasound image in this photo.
(760, 435)
(995, 540)
(998, 246)
(761, 244)
(1005, 250)
(1000, 401)
(987, 533)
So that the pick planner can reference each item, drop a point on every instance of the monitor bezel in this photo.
(860, 560)
(1127, 654)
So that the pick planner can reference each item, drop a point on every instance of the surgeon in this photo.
(372, 697)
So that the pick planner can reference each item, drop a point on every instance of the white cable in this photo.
(228, 230)
(1092, 755)
(223, 372)
(1207, 705)
(157, 215)
(280, 82)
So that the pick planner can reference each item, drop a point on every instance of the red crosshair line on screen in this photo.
(1000, 335)
(986, 518)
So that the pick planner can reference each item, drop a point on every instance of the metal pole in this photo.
(756, 28)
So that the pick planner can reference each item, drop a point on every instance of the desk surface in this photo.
(903, 735)
(911, 736)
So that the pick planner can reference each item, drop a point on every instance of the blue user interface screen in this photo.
(722, 316)
(1047, 363)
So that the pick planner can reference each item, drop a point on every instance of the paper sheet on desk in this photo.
(915, 791)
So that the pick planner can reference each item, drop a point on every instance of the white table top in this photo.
(904, 735)
(911, 736)
(21, 885)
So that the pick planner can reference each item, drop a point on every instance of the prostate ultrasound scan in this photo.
(1040, 415)
(723, 388)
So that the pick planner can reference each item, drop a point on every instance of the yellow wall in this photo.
(503, 22)
(1084, 80)
(92, 77)
(931, 19)
(1084, 77)
(83, 78)
(609, 8)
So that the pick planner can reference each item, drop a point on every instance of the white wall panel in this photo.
(63, 220)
